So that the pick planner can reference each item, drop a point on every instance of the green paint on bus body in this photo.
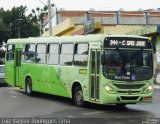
(59, 79)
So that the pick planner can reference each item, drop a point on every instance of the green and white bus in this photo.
(102, 69)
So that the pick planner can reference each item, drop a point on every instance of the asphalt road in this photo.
(15, 104)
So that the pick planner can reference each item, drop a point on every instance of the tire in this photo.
(28, 88)
(78, 96)
(121, 105)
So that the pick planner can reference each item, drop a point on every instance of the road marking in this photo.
(15, 88)
(70, 116)
(92, 113)
(13, 96)
(13, 92)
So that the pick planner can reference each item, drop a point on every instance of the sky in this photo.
(99, 5)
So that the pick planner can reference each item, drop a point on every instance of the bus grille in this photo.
(132, 92)
(129, 98)
(129, 86)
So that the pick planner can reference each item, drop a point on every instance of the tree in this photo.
(16, 24)
(23, 25)
(38, 15)
(5, 33)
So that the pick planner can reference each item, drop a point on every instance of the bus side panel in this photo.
(28, 71)
(40, 77)
(41, 74)
(9, 72)
(66, 76)
(61, 87)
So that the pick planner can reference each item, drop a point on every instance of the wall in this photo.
(112, 17)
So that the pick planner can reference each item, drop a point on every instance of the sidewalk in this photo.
(156, 86)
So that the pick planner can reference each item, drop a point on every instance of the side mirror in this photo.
(103, 59)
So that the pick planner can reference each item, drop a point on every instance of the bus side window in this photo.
(40, 56)
(53, 54)
(66, 56)
(81, 54)
(29, 53)
(10, 52)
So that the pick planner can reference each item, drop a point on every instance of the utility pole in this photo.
(40, 28)
(49, 18)
(19, 28)
(19, 32)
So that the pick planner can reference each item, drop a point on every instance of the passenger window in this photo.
(81, 54)
(29, 53)
(66, 56)
(82, 49)
(10, 52)
(53, 55)
(41, 53)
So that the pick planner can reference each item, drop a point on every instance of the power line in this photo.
(49, 15)
(42, 2)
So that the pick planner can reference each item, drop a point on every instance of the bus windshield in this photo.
(131, 65)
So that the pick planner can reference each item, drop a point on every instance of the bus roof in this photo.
(76, 38)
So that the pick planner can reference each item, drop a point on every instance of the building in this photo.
(109, 22)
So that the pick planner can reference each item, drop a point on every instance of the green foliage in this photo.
(14, 23)
(5, 33)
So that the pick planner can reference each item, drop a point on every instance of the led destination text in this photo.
(127, 43)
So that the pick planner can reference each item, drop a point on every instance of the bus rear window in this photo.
(10, 52)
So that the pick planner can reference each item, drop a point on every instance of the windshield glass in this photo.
(128, 64)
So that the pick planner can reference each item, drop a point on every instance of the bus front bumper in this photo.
(106, 98)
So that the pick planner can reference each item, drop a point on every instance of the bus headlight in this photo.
(109, 89)
(148, 89)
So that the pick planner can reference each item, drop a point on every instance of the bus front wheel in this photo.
(28, 88)
(78, 96)
(121, 105)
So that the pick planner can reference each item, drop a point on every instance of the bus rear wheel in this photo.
(78, 96)
(28, 88)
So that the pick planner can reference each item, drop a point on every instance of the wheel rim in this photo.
(79, 97)
(28, 88)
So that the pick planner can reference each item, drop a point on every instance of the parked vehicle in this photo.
(2, 82)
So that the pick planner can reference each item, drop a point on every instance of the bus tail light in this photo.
(147, 98)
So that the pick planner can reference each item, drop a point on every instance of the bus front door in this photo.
(95, 70)
(18, 67)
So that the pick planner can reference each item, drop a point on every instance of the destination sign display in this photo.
(127, 42)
